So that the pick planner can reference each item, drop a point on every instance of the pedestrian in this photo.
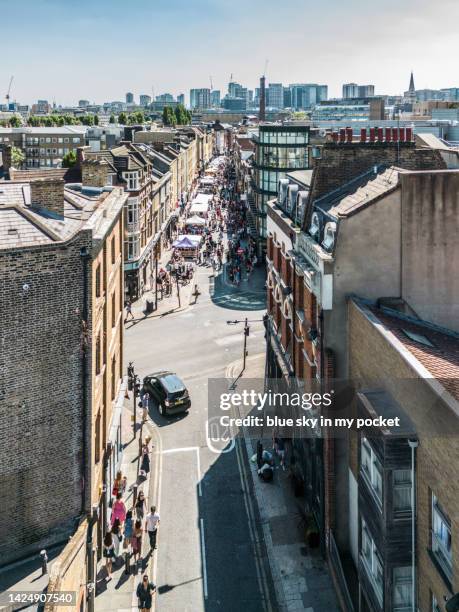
(128, 529)
(117, 537)
(145, 590)
(118, 510)
(145, 465)
(151, 526)
(145, 405)
(128, 310)
(140, 505)
(109, 552)
(117, 483)
(137, 540)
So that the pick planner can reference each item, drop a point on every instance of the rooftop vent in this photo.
(419, 338)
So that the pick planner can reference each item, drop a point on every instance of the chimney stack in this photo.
(262, 113)
(48, 193)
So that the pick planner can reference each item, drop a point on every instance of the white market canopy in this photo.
(195, 220)
(207, 180)
(202, 198)
(196, 240)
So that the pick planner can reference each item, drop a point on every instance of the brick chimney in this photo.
(48, 193)
(94, 172)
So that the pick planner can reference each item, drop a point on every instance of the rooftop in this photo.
(430, 348)
(65, 129)
(23, 225)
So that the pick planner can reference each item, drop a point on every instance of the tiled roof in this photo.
(441, 359)
(246, 144)
(366, 193)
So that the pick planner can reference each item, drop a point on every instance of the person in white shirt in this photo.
(151, 526)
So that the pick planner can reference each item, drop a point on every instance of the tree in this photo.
(17, 157)
(69, 159)
(122, 118)
(15, 121)
(96, 119)
(112, 119)
(169, 117)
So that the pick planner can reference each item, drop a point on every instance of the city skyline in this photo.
(80, 51)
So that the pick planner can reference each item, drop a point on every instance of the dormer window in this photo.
(132, 179)
(314, 228)
(329, 236)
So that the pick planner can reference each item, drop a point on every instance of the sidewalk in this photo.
(119, 592)
(168, 304)
(300, 574)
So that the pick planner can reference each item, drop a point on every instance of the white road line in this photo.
(185, 449)
(203, 555)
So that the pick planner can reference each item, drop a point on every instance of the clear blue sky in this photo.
(99, 49)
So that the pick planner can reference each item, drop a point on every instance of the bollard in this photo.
(44, 562)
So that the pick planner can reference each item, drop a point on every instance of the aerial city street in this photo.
(229, 281)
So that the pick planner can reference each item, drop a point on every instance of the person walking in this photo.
(151, 526)
(137, 540)
(117, 537)
(117, 484)
(118, 510)
(145, 405)
(128, 530)
(140, 505)
(109, 553)
(145, 590)
(145, 464)
(128, 310)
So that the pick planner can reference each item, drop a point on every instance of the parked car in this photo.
(169, 392)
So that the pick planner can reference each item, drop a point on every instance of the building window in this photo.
(133, 247)
(441, 538)
(371, 468)
(402, 491)
(114, 309)
(98, 355)
(76, 140)
(98, 281)
(97, 439)
(372, 562)
(132, 179)
(113, 247)
(402, 589)
(133, 211)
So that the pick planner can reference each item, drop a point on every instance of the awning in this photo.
(195, 220)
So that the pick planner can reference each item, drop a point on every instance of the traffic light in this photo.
(137, 386)
(246, 330)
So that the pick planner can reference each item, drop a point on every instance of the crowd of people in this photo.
(123, 539)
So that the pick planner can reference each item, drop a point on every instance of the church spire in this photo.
(411, 88)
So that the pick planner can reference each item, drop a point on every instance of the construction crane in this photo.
(266, 67)
(7, 97)
(211, 84)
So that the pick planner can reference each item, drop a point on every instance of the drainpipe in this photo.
(413, 445)
(85, 256)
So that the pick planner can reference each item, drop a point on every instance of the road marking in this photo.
(203, 556)
(186, 449)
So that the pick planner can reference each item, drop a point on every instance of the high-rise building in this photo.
(352, 90)
(200, 98)
(215, 98)
(129, 98)
(235, 90)
(145, 100)
(181, 99)
(275, 95)
(262, 112)
(287, 97)
(83, 103)
(165, 98)
(306, 95)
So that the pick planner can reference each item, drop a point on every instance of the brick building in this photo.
(375, 231)
(61, 364)
(148, 207)
(406, 366)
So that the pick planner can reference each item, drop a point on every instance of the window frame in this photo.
(370, 475)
